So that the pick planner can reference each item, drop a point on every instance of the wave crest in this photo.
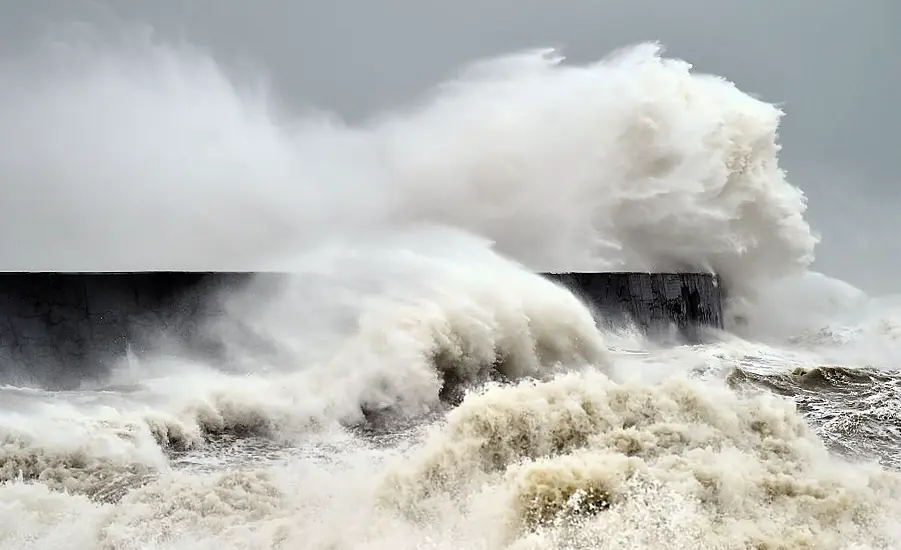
(630, 163)
(569, 454)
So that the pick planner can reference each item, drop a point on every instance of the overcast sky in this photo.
(833, 63)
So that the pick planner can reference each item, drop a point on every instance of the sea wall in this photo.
(55, 326)
(653, 302)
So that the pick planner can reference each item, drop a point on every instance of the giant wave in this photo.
(414, 237)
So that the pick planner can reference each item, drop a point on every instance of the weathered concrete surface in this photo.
(652, 301)
(57, 327)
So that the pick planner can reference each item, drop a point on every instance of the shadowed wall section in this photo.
(654, 302)
(56, 328)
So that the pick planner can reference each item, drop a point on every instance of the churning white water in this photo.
(413, 238)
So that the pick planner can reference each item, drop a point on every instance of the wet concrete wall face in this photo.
(56, 327)
(654, 302)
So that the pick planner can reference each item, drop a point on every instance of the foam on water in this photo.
(576, 462)
(682, 464)
(411, 237)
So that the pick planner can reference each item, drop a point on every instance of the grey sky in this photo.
(833, 64)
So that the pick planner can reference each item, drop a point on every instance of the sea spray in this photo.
(411, 238)
(158, 160)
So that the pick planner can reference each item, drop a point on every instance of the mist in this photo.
(825, 68)
(144, 155)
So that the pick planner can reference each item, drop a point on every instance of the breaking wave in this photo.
(633, 162)
(414, 383)
(574, 460)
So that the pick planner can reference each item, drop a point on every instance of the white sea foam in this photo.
(576, 462)
(412, 237)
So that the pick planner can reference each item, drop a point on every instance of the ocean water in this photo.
(419, 386)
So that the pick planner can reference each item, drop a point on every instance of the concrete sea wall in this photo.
(55, 325)
(654, 302)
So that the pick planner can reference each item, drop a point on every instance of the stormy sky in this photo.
(833, 64)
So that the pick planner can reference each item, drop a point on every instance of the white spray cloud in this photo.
(151, 157)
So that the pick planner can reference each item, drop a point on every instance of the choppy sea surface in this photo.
(421, 386)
